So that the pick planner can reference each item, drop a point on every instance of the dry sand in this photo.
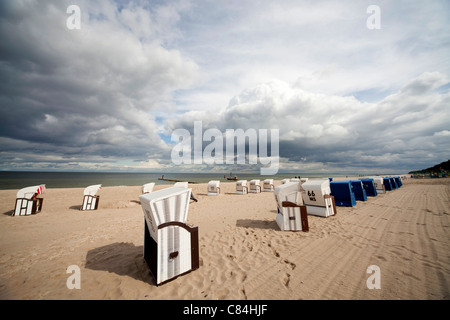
(243, 254)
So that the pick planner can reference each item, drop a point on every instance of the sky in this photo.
(348, 88)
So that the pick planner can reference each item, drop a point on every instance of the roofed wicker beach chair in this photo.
(28, 202)
(343, 193)
(170, 245)
(388, 184)
(292, 215)
(214, 188)
(255, 186)
(379, 185)
(318, 199)
(91, 199)
(268, 185)
(148, 187)
(358, 190)
(241, 187)
(185, 184)
(369, 186)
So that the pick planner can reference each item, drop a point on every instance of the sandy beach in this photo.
(243, 253)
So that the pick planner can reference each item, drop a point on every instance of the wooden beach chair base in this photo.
(90, 202)
(179, 256)
(25, 207)
(293, 217)
(328, 210)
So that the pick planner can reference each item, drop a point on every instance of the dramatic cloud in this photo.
(89, 93)
(108, 96)
(319, 131)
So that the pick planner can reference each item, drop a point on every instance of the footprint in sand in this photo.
(285, 279)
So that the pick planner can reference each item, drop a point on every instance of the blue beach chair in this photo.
(343, 193)
(369, 186)
(358, 190)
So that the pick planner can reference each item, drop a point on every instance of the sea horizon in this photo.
(65, 179)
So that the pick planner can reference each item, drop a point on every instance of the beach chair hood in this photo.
(92, 190)
(29, 192)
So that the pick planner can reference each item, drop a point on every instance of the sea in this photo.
(20, 179)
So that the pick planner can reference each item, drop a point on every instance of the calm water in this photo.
(19, 180)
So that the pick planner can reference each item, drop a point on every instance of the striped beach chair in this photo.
(170, 246)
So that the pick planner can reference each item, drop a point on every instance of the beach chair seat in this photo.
(170, 245)
(148, 187)
(268, 185)
(343, 193)
(293, 217)
(358, 190)
(255, 186)
(213, 188)
(27, 201)
(241, 187)
(318, 199)
(91, 199)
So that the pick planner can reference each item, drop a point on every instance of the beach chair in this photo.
(255, 186)
(170, 245)
(393, 183)
(148, 187)
(185, 184)
(387, 184)
(379, 185)
(284, 181)
(318, 199)
(343, 193)
(398, 180)
(292, 215)
(91, 199)
(369, 186)
(27, 201)
(213, 188)
(241, 187)
(303, 180)
(268, 185)
(358, 190)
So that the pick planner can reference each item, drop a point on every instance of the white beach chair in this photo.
(148, 187)
(91, 199)
(268, 185)
(170, 245)
(292, 214)
(185, 184)
(27, 201)
(303, 180)
(318, 199)
(241, 187)
(284, 181)
(255, 186)
(379, 184)
(213, 188)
